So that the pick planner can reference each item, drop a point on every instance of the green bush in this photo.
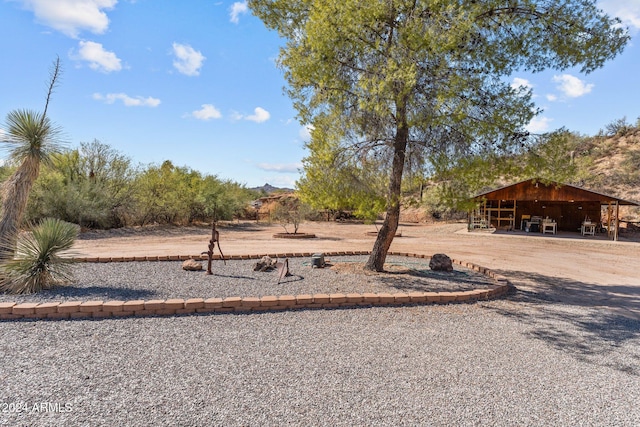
(38, 263)
(96, 187)
(89, 186)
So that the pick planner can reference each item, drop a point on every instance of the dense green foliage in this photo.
(170, 194)
(335, 180)
(90, 186)
(97, 187)
(38, 263)
(549, 157)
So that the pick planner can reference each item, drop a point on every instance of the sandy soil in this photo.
(566, 267)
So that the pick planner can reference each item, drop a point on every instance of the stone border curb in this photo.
(171, 307)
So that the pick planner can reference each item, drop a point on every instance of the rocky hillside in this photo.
(611, 164)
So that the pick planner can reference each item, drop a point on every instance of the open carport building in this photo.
(515, 206)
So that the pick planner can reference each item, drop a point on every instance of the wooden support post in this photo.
(615, 235)
(609, 220)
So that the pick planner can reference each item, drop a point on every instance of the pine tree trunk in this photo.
(392, 218)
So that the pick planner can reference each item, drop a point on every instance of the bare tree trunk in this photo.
(15, 195)
(392, 218)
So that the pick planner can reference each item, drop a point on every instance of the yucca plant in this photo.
(31, 139)
(38, 263)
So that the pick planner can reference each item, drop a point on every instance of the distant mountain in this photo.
(269, 189)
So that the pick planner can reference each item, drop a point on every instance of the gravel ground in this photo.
(527, 360)
(501, 363)
(164, 280)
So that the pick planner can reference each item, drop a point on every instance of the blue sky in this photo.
(195, 82)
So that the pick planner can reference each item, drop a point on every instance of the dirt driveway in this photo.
(566, 267)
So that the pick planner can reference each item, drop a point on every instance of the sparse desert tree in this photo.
(429, 75)
(619, 127)
(31, 139)
(290, 211)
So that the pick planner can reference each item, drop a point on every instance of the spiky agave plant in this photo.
(38, 263)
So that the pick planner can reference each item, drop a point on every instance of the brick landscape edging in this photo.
(171, 307)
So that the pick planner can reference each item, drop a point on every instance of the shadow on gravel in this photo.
(331, 239)
(292, 278)
(585, 320)
(233, 276)
(433, 281)
(538, 287)
(89, 293)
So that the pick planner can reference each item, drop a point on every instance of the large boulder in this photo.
(440, 262)
(191, 265)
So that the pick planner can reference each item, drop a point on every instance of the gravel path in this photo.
(164, 280)
(500, 363)
(527, 360)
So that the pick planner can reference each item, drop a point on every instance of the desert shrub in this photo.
(619, 127)
(89, 186)
(224, 200)
(290, 211)
(165, 194)
(38, 263)
(168, 194)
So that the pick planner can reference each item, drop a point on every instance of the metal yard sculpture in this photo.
(215, 238)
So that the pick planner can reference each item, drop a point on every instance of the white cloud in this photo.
(519, 82)
(188, 60)
(551, 97)
(236, 10)
(260, 115)
(127, 100)
(539, 125)
(72, 16)
(98, 58)
(305, 133)
(572, 86)
(627, 10)
(207, 112)
(280, 167)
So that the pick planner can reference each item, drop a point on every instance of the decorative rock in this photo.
(440, 262)
(317, 260)
(192, 265)
(265, 264)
